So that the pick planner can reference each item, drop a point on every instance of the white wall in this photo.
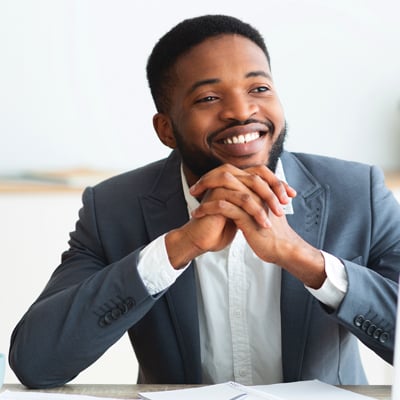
(73, 88)
(73, 93)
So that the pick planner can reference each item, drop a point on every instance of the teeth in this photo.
(248, 137)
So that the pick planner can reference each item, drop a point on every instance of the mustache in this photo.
(268, 124)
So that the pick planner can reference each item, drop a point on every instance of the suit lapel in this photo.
(165, 209)
(309, 221)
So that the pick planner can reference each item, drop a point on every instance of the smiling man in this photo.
(232, 259)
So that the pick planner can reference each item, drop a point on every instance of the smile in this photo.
(240, 139)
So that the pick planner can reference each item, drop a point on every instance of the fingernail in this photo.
(267, 223)
(193, 188)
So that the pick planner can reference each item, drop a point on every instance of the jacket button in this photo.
(116, 313)
(377, 333)
(371, 329)
(104, 321)
(384, 337)
(358, 320)
(129, 302)
(108, 318)
(123, 307)
(365, 325)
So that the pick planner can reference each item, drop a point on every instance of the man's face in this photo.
(224, 108)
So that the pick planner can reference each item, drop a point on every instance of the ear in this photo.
(163, 126)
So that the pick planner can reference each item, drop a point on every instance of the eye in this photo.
(260, 89)
(206, 99)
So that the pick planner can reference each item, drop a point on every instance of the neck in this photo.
(191, 178)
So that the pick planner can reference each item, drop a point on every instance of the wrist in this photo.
(307, 264)
(181, 251)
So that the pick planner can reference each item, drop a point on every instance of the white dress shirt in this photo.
(238, 303)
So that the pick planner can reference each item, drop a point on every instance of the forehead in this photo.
(219, 56)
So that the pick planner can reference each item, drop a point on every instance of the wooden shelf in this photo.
(392, 179)
(79, 179)
(72, 181)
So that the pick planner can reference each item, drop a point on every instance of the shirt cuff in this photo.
(154, 267)
(334, 288)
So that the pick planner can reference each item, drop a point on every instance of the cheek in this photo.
(196, 128)
(278, 116)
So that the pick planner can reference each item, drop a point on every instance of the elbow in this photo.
(31, 372)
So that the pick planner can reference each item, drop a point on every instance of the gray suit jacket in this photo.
(96, 294)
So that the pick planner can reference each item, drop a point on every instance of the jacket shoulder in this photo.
(331, 170)
(141, 180)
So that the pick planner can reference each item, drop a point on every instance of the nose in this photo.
(239, 107)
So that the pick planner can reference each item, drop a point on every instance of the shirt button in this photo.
(242, 372)
(235, 252)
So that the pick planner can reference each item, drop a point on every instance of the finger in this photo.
(243, 188)
(231, 211)
(266, 193)
(220, 178)
(247, 201)
(281, 189)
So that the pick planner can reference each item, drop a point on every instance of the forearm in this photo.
(371, 298)
(64, 331)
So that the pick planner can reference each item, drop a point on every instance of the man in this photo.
(217, 268)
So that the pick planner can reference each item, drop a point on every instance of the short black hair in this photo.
(184, 37)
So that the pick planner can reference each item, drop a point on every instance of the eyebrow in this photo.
(258, 73)
(212, 81)
(203, 83)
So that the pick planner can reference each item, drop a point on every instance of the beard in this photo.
(199, 163)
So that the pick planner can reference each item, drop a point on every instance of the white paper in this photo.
(303, 390)
(311, 390)
(222, 391)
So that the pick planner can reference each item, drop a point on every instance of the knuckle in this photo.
(255, 179)
(277, 183)
(221, 204)
(226, 175)
(245, 198)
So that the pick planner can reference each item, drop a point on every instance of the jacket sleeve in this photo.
(86, 307)
(368, 309)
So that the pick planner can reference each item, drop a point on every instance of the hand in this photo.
(278, 244)
(252, 200)
(254, 189)
(199, 235)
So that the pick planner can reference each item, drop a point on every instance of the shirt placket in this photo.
(237, 288)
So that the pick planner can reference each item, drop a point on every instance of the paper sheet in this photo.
(304, 390)
(222, 391)
(311, 390)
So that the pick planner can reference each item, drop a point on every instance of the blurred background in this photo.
(75, 107)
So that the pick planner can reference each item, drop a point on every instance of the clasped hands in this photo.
(249, 200)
